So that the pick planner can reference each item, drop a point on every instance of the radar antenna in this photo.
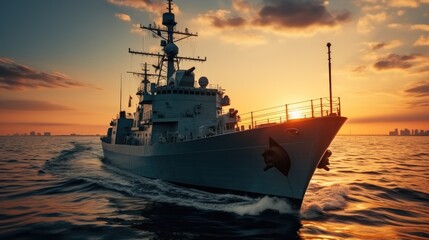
(170, 49)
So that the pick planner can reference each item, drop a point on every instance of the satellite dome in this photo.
(203, 82)
(171, 49)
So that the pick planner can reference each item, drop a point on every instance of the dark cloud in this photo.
(14, 76)
(228, 22)
(420, 89)
(409, 117)
(419, 103)
(378, 46)
(40, 124)
(393, 61)
(31, 105)
(279, 15)
(374, 46)
(298, 14)
(359, 69)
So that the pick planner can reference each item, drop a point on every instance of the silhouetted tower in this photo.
(330, 81)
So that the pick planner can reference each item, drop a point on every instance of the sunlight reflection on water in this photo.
(378, 187)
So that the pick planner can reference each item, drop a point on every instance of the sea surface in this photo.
(60, 188)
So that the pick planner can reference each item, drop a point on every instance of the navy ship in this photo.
(184, 132)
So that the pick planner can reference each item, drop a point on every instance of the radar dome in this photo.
(171, 49)
(203, 82)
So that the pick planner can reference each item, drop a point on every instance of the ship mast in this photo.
(145, 76)
(170, 49)
(330, 78)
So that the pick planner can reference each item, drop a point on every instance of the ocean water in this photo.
(59, 188)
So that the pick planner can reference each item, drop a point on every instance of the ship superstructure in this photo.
(183, 131)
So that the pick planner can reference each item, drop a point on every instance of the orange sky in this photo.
(60, 71)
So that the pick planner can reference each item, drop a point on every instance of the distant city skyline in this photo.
(395, 132)
(46, 134)
(408, 132)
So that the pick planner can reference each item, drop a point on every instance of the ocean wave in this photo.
(323, 200)
(395, 193)
(163, 192)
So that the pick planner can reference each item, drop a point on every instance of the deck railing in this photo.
(306, 109)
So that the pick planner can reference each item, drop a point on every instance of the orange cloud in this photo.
(422, 27)
(422, 41)
(409, 117)
(407, 3)
(366, 23)
(144, 5)
(123, 17)
(31, 105)
(419, 89)
(395, 61)
(374, 46)
(14, 76)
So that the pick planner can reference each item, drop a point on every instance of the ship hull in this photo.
(235, 161)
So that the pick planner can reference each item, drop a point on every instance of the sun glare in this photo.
(294, 115)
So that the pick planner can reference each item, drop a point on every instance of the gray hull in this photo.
(234, 161)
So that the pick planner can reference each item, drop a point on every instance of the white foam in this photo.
(329, 198)
(163, 192)
(260, 205)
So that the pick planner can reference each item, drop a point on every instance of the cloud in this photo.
(282, 17)
(396, 26)
(221, 24)
(374, 46)
(377, 4)
(298, 14)
(39, 124)
(123, 17)
(220, 19)
(31, 105)
(402, 117)
(151, 6)
(367, 23)
(416, 27)
(14, 76)
(422, 27)
(358, 69)
(51, 124)
(395, 61)
(406, 3)
(242, 6)
(422, 41)
(419, 89)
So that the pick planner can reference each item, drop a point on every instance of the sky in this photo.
(61, 62)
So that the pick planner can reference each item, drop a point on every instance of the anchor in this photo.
(276, 156)
(325, 160)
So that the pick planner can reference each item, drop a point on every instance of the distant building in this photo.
(32, 133)
(405, 132)
(47, 134)
(394, 133)
(408, 132)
